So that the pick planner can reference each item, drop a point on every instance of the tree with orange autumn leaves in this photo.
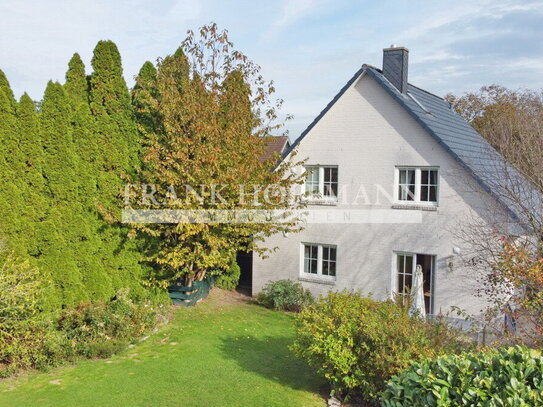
(207, 111)
(517, 278)
(510, 252)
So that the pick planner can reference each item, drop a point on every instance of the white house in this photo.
(410, 170)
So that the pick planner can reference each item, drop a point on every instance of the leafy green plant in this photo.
(504, 377)
(358, 344)
(285, 295)
(102, 328)
(33, 338)
(228, 279)
(25, 338)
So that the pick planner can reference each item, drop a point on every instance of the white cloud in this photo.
(291, 12)
(310, 47)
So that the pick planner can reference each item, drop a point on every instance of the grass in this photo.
(219, 353)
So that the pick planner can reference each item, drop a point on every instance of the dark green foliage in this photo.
(116, 131)
(228, 279)
(285, 295)
(115, 134)
(60, 231)
(91, 249)
(358, 344)
(4, 84)
(505, 377)
(142, 94)
(77, 85)
(62, 171)
(34, 204)
(11, 163)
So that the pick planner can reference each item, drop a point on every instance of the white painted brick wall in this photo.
(367, 135)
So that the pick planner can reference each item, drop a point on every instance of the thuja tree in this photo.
(60, 230)
(211, 110)
(34, 206)
(143, 93)
(11, 199)
(117, 139)
(90, 247)
(116, 132)
(4, 84)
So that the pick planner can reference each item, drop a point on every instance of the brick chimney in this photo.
(395, 61)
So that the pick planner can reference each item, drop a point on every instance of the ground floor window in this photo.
(319, 259)
(406, 264)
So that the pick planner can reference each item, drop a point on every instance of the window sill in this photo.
(415, 206)
(322, 202)
(318, 280)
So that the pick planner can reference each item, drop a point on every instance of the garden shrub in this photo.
(229, 279)
(26, 339)
(285, 295)
(357, 344)
(32, 338)
(504, 377)
(102, 328)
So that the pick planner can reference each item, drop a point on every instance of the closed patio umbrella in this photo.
(417, 294)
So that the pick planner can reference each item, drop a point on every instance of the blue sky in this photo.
(310, 48)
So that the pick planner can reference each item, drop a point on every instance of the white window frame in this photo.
(395, 285)
(321, 196)
(320, 261)
(418, 179)
(394, 274)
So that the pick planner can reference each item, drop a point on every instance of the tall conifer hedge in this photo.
(62, 171)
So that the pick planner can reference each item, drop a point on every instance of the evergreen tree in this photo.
(90, 248)
(11, 199)
(4, 84)
(60, 230)
(117, 134)
(143, 93)
(77, 86)
(117, 137)
(30, 172)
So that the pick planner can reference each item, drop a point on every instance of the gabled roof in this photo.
(275, 145)
(448, 128)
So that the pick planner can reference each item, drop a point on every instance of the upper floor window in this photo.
(322, 181)
(319, 259)
(417, 184)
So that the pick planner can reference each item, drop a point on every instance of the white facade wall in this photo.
(367, 135)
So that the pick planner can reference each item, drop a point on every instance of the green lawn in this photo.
(214, 354)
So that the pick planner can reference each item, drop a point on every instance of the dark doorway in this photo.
(427, 263)
(245, 262)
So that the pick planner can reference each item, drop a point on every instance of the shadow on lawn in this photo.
(271, 358)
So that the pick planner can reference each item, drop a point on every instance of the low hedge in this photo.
(504, 377)
(285, 295)
(357, 344)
